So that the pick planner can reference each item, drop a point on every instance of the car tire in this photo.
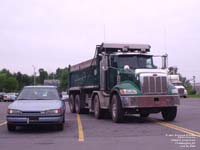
(60, 127)
(11, 127)
(144, 115)
(72, 104)
(169, 114)
(98, 113)
(116, 109)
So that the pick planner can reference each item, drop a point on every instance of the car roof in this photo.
(40, 86)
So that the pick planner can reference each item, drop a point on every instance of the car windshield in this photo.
(38, 93)
(133, 61)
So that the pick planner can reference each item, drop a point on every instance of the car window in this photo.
(38, 94)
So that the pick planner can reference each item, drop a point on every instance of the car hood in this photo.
(35, 105)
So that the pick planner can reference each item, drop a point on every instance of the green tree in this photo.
(8, 83)
(42, 75)
(64, 79)
(11, 84)
(62, 75)
(2, 81)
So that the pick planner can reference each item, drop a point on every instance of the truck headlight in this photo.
(14, 111)
(127, 92)
(174, 91)
(54, 111)
(185, 92)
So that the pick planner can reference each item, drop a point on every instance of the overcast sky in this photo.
(55, 33)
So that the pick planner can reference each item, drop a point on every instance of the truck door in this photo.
(103, 69)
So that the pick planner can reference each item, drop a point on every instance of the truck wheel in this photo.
(97, 109)
(11, 127)
(71, 104)
(78, 108)
(116, 109)
(169, 114)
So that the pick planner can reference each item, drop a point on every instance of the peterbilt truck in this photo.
(122, 79)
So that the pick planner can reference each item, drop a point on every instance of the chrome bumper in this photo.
(150, 101)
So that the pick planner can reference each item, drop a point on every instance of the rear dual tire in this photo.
(78, 107)
(98, 113)
(72, 104)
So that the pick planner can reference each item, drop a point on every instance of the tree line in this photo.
(14, 82)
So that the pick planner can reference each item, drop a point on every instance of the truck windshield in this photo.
(133, 61)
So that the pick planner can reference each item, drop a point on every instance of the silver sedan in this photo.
(36, 105)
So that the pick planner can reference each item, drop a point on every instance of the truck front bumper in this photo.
(150, 101)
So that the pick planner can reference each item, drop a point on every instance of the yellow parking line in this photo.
(3, 123)
(80, 129)
(181, 129)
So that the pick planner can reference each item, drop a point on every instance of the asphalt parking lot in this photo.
(85, 132)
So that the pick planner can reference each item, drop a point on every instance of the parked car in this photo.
(9, 96)
(36, 105)
(1, 95)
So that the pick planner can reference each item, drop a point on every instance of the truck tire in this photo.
(71, 104)
(169, 114)
(97, 109)
(116, 109)
(78, 108)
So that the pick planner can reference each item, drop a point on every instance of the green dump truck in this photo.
(122, 79)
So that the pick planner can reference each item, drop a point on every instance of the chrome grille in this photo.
(154, 85)
(181, 91)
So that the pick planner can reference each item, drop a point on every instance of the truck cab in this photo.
(175, 80)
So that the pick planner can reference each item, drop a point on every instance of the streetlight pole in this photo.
(194, 82)
(34, 75)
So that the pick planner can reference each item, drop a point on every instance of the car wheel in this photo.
(97, 109)
(116, 109)
(60, 127)
(71, 104)
(144, 115)
(169, 114)
(11, 127)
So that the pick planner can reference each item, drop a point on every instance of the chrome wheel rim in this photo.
(114, 110)
(96, 108)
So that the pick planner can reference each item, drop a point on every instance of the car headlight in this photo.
(54, 111)
(14, 111)
(174, 91)
(127, 91)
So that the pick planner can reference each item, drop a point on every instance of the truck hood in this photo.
(35, 105)
(150, 71)
(179, 87)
